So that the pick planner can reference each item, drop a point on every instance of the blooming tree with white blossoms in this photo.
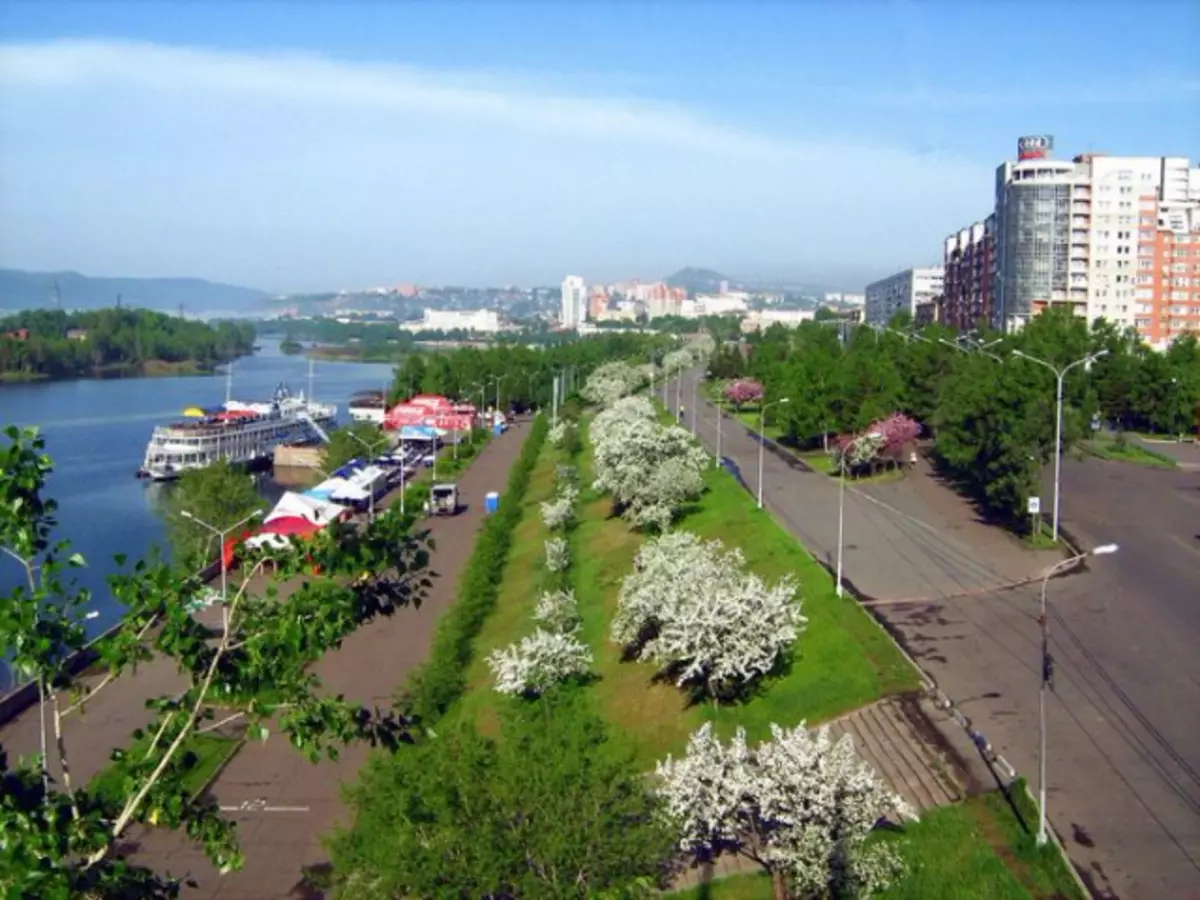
(558, 432)
(703, 347)
(677, 360)
(621, 412)
(691, 607)
(801, 805)
(536, 663)
(650, 470)
(558, 611)
(558, 511)
(566, 475)
(611, 381)
(558, 554)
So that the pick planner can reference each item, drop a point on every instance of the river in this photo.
(96, 431)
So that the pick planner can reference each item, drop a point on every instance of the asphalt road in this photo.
(1124, 721)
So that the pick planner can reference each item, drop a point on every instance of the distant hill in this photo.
(700, 281)
(35, 290)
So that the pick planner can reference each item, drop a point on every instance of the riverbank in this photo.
(151, 368)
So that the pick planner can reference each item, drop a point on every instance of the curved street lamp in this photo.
(762, 441)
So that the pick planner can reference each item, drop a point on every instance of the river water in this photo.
(97, 431)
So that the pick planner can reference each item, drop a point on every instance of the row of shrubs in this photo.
(441, 680)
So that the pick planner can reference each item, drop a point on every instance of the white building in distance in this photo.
(478, 320)
(765, 318)
(902, 292)
(574, 302)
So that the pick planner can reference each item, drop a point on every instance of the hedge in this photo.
(434, 687)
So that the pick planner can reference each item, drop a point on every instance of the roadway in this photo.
(1123, 722)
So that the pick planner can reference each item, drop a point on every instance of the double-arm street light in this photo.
(1048, 676)
(762, 441)
(1060, 374)
(977, 348)
(370, 461)
(220, 534)
(842, 509)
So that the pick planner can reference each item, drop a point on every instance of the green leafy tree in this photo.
(61, 838)
(549, 808)
(218, 496)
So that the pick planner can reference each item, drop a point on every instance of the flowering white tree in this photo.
(558, 554)
(558, 432)
(534, 665)
(677, 360)
(620, 413)
(690, 607)
(566, 475)
(801, 805)
(703, 347)
(558, 611)
(611, 381)
(558, 512)
(649, 469)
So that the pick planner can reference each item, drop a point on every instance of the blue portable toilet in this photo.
(491, 503)
(498, 428)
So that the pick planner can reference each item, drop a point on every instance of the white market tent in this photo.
(317, 510)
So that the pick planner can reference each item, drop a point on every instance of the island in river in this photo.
(40, 345)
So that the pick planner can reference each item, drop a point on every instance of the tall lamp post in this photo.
(695, 385)
(220, 534)
(1048, 677)
(498, 379)
(842, 510)
(1060, 374)
(762, 440)
(370, 461)
(978, 348)
(720, 415)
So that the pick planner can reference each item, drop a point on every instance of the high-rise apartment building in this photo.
(969, 266)
(901, 292)
(1112, 237)
(574, 302)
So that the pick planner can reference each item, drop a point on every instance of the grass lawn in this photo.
(211, 751)
(512, 618)
(1130, 452)
(976, 848)
(842, 662)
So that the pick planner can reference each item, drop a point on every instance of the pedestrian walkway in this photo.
(885, 737)
(282, 803)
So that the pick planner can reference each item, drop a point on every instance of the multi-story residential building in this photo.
(901, 292)
(574, 302)
(597, 303)
(842, 299)
(1110, 237)
(969, 267)
(765, 318)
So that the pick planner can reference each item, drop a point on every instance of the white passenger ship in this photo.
(244, 433)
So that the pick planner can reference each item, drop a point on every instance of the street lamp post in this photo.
(978, 348)
(220, 535)
(695, 385)
(1048, 677)
(370, 461)
(762, 440)
(842, 510)
(1060, 374)
(720, 415)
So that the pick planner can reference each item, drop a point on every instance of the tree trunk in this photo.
(779, 888)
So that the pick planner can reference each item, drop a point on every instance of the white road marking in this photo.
(260, 805)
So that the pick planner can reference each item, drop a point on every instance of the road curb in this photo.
(1005, 773)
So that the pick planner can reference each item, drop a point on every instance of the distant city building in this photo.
(845, 299)
(901, 292)
(1112, 237)
(574, 302)
(969, 266)
(720, 304)
(478, 320)
(765, 318)
(597, 302)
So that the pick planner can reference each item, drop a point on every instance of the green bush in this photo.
(441, 680)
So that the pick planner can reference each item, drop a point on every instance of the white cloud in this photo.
(297, 171)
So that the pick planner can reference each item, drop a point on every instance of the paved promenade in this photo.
(283, 804)
(1124, 723)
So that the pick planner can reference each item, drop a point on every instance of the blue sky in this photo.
(305, 146)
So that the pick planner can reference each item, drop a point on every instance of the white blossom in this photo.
(703, 347)
(558, 611)
(677, 360)
(558, 432)
(611, 381)
(649, 469)
(558, 554)
(558, 511)
(691, 607)
(538, 662)
(619, 414)
(801, 805)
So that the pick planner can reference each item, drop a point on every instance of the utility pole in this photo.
(56, 296)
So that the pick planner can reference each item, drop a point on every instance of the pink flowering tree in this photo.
(884, 439)
(744, 390)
